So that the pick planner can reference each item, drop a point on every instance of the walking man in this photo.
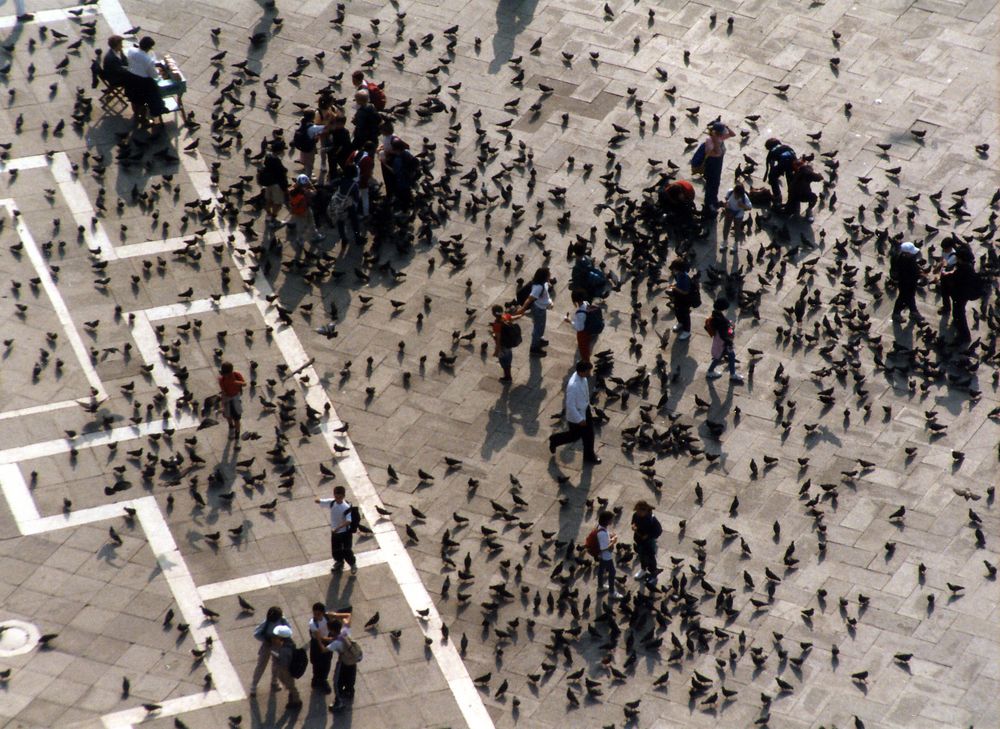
(231, 384)
(578, 418)
(320, 655)
(340, 530)
(263, 633)
(680, 294)
(348, 655)
(646, 529)
(281, 657)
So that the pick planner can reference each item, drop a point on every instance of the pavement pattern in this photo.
(795, 593)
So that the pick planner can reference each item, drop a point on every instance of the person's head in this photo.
(583, 368)
(358, 78)
(578, 297)
(308, 116)
(541, 276)
(721, 304)
(386, 128)
(302, 181)
(226, 368)
(739, 190)
(274, 614)
(716, 128)
(605, 518)
(771, 143)
(361, 97)
(281, 632)
(497, 311)
(339, 492)
(947, 244)
(146, 44)
(319, 610)
(115, 43)
(678, 264)
(335, 625)
(642, 508)
(909, 248)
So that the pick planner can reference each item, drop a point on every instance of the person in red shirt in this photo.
(231, 384)
(677, 201)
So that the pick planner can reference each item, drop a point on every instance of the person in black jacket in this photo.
(961, 281)
(646, 530)
(906, 272)
(800, 189)
(780, 158)
(273, 177)
(366, 121)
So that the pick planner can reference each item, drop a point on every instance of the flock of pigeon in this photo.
(480, 175)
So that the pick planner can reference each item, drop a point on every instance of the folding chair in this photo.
(113, 99)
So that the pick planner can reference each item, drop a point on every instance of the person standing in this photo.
(586, 337)
(905, 271)
(680, 294)
(722, 331)
(945, 269)
(646, 529)
(963, 283)
(306, 139)
(263, 633)
(341, 536)
(503, 339)
(780, 158)
(715, 152)
(346, 673)
(737, 206)
(577, 413)
(320, 655)
(302, 220)
(539, 302)
(364, 161)
(366, 121)
(606, 558)
(273, 178)
(282, 648)
(231, 384)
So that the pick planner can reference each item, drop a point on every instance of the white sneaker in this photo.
(639, 574)
(737, 378)
(684, 335)
(601, 588)
(677, 328)
(712, 375)
(616, 595)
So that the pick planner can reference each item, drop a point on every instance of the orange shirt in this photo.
(231, 384)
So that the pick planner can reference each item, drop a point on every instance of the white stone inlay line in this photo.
(36, 409)
(58, 305)
(51, 16)
(78, 201)
(167, 245)
(264, 580)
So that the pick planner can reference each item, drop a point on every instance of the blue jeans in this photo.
(713, 176)
(505, 358)
(537, 326)
(606, 567)
(727, 353)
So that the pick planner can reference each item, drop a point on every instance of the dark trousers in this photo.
(346, 676)
(645, 550)
(958, 320)
(321, 661)
(906, 298)
(341, 549)
(713, 176)
(578, 431)
(682, 310)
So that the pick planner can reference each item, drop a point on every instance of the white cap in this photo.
(909, 247)
(282, 631)
(302, 179)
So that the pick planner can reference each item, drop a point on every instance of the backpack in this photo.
(298, 203)
(698, 160)
(352, 653)
(341, 202)
(657, 529)
(595, 283)
(593, 324)
(376, 95)
(710, 326)
(510, 335)
(301, 140)
(786, 157)
(411, 165)
(355, 513)
(591, 545)
(297, 666)
(694, 293)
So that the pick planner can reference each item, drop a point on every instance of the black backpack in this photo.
(301, 140)
(510, 335)
(355, 513)
(593, 323)
(694, 293)
(299, 662)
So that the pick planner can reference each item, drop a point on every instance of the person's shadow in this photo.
(512, 17)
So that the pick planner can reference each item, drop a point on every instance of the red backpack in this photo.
(298, 203)
(591, 545)
(376, 95)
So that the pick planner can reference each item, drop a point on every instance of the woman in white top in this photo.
(737, 205)
(538, 303)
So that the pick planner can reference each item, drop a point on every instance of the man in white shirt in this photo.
(577, 414)
(142, 65)
(340, 530)
(320, 655)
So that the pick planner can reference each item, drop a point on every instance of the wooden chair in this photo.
(112, 99)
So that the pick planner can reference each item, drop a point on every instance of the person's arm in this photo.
(496, 338)
(526, 305)
(728, 134)
(324, 502)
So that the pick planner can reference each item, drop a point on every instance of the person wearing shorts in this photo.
(231, 384)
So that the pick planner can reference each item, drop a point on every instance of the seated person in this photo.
(143, 66)
(677, 201)
(115, 66)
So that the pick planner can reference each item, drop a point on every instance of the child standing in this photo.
(503, 339)
(722, 330)
(300, 197)
(231, 384)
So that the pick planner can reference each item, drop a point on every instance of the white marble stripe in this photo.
(167, 245)
(264, 580)
(24, 163)
(50, 16)
(198, 306)
(58, 305)
(17, 493)
(36, 409)
(78, 201)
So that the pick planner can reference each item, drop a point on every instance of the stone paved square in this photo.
(828, 555)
